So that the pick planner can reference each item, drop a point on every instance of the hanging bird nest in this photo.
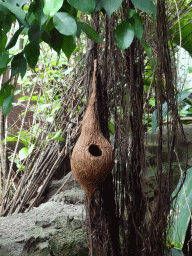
(92, 158)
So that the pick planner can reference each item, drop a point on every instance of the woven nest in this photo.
(92, 158)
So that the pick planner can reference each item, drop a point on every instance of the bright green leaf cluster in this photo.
(56, 23)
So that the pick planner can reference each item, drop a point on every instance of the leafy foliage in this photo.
(57, 24)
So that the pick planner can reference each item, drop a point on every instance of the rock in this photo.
(71, 189)
(53, 228)
(72, 196)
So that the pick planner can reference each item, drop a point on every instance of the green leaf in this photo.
(190, 70)
(111, 5)
(30, 17)
(3, 11)
(34, 34)
(56, 40)
(33, 98)
(31, 149)
(131, 12)
(23, 153)
(147, 48)
(3, 70)
(66, 7)
(21, 2)
(174, 252)
(46, 37)
(7, 105)
(17, 2)
(182, 211)
(11, 139)
(152, 102)
(68, 45)
(7, 21)
(145, 6)
(86, 6)
(98, 5)
(56, 136)
(17, 11)
(182, 95)
(111, 127)
(37, 98)
(36, 8)
(4, 59)
(137, 24)
(14, 38)
(91, 33)
(124, 34)
(3, 40)
(32, 55)
(19, 65)
(65, 23)
(49, 26)
(5, 92)
(25, 138)
(51, 7)
(78, 31)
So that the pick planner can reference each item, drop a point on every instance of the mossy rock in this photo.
(65, 237)
(71, 241)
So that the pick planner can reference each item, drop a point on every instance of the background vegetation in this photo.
(46, 58)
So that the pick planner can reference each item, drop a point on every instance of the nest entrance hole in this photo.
(94, 150)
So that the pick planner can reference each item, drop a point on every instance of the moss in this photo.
(69, 242)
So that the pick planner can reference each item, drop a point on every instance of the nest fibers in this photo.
(92, 158)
